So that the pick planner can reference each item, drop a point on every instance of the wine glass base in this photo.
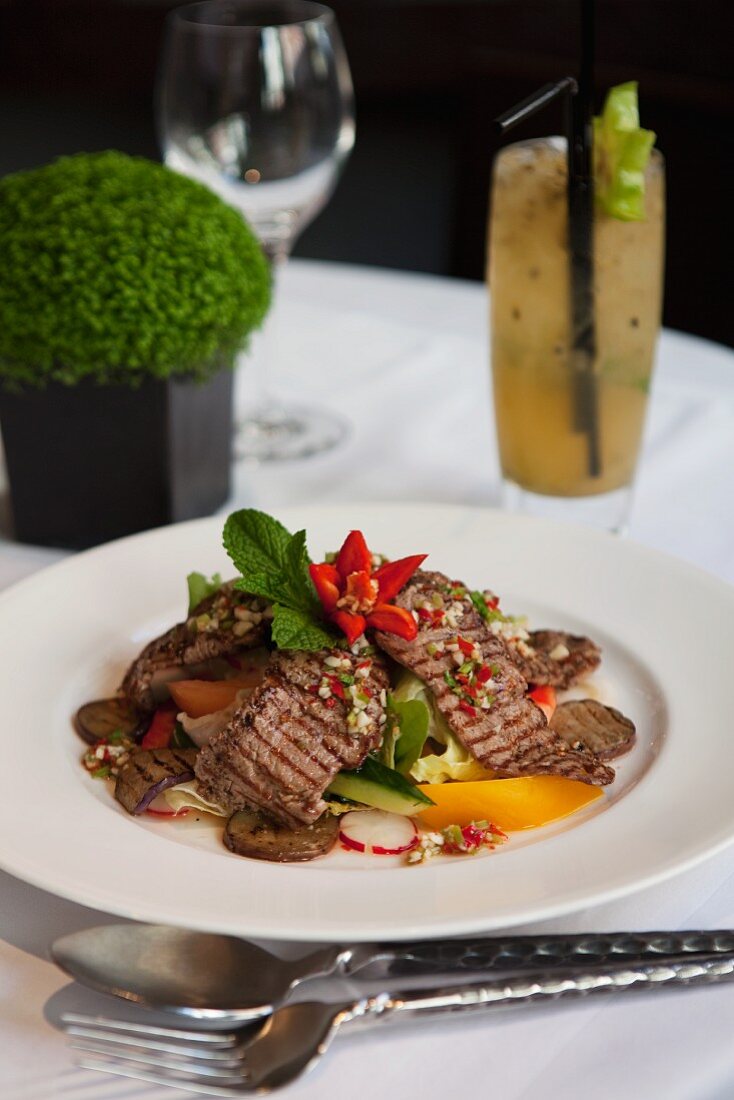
(279, 433)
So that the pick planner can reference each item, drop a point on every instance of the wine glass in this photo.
(256, 102)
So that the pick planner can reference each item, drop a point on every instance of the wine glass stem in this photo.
(264, 363)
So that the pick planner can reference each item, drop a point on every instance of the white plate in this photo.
(667, 632)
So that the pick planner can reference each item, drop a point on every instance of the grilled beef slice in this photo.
(284, 746)
(512, 737)
(555, 657)
(223, 624)
(592, 725)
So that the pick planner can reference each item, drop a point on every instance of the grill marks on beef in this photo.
(539, 667)
(184, 645)
(512, 737)
(281, 750)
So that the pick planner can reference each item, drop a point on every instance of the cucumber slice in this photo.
(375, 785)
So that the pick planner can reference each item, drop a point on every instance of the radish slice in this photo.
(160, 808)
(377, 832)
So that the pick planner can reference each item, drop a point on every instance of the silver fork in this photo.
(294, 1037)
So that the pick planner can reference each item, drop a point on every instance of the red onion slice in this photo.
(158, 788)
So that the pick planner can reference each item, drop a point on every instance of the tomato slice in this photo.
(545, 696)
(199, 697)
(160, 730)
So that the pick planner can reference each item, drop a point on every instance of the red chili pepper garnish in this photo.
(467, 707)
(326, 582)
(351, 625)
(473, 837)
(393, 620)
(394, 575)
(337, 688)
(330, 703)
(467, 648)
(425, 614)
(354, 556)
(493, 603)
(354, 597)
(484, 674)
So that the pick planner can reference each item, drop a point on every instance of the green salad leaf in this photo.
(411, 718)
(621, 154)
(200, 587)
(180, 738)
(273, 564)
(455, 762)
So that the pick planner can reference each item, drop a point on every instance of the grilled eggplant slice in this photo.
(149, 772)
(252, 834)
(592, 725)
(97, 720)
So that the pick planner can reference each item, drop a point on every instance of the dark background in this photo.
(429, 77)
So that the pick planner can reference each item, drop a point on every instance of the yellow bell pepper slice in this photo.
(512, 804)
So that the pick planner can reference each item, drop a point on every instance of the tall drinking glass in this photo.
(255, 101)
(544, 458)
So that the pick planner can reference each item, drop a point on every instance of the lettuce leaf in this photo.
(621, 154)
(413, 719)
(185, 796)
(200, 587)
(455, 762)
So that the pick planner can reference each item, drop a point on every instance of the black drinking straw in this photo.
(579, 120)
(581, 243)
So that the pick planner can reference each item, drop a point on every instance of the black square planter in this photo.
(89, 463)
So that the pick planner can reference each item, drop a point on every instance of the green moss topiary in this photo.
(117, 269)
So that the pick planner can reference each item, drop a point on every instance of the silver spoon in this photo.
(209, 976)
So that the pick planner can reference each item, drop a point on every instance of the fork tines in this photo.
(198, 1061)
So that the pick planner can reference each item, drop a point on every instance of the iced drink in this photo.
(541, 450)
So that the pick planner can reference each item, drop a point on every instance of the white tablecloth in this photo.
(404, 358)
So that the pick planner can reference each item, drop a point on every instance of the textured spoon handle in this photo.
(551, 986)
(536, 952)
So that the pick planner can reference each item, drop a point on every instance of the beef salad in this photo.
(372, 704)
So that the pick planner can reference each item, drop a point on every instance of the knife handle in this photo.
(509, 953)
(544, 987)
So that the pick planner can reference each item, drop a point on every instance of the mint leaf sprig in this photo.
(273, 564)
